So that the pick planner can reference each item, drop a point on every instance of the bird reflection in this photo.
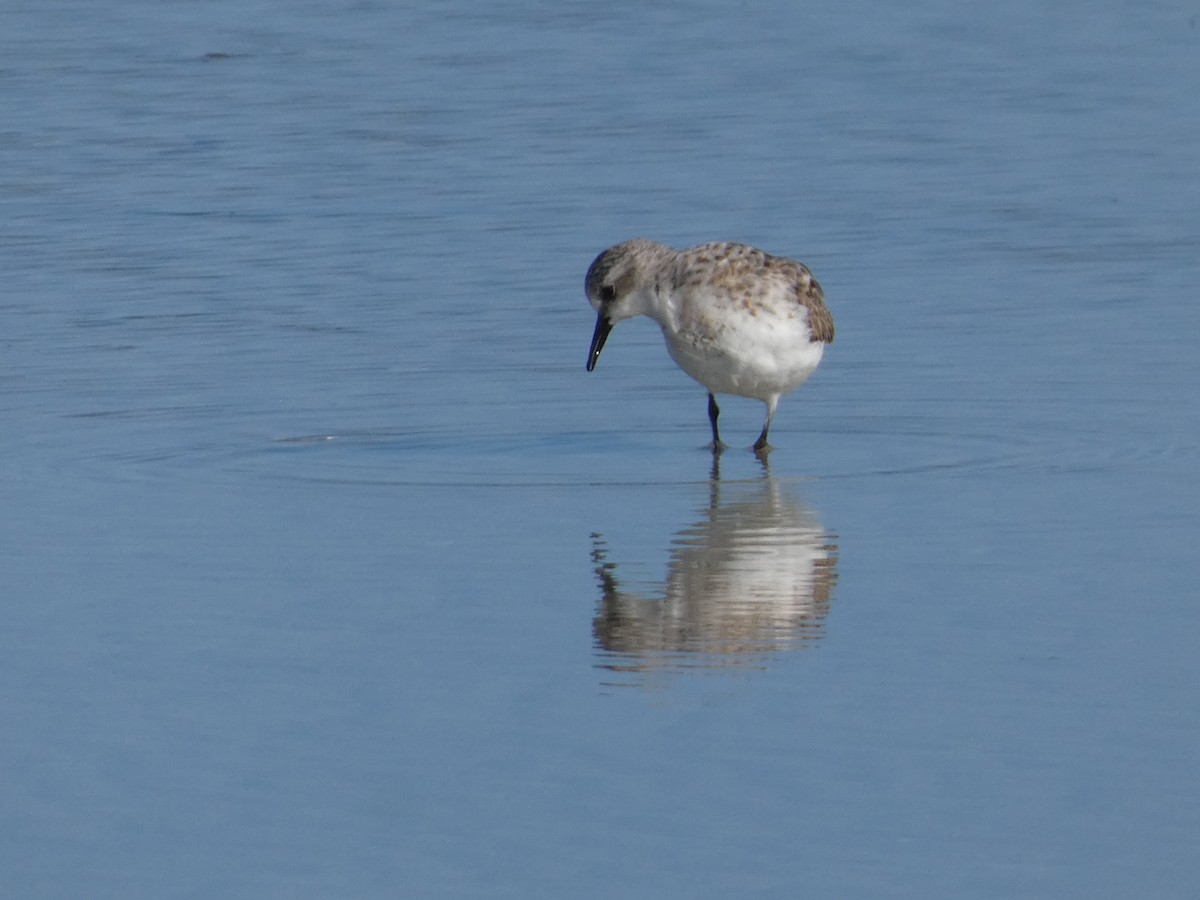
(753, 576)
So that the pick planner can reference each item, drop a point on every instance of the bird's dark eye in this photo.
(607, 293)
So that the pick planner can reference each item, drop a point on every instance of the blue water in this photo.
(327, 571)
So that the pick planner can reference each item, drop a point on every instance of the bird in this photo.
(736, 319)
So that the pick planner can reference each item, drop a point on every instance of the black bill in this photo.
(599, 336)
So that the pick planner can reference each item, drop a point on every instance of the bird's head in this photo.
(619, 286)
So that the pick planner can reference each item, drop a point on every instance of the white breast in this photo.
(749, 356)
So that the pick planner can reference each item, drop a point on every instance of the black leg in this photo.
(714, 412)
(761, 446)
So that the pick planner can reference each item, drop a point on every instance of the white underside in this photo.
(757, 360)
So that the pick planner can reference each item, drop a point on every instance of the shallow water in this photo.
(329, 572)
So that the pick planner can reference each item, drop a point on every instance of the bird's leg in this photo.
(713, 412)
(761, 446)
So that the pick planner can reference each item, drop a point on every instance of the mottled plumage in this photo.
(736, 319)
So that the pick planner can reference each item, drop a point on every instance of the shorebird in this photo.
(736, 319)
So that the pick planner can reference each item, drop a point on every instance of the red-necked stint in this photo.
(737, 320)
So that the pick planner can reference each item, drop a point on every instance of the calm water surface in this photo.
(328, 572)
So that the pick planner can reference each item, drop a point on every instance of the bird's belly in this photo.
(748, 362)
